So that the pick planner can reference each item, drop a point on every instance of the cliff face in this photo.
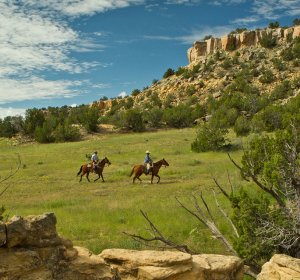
(235, 41)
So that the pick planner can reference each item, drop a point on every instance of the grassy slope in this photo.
(95, 214)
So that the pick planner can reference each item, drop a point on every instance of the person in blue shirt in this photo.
(148, 163)
(94, 159)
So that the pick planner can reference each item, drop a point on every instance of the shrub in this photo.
(287, 54)
(169, 100)
(241, 126)
(154, 117)
(296, 48)
(271, 118)
(129, 103)
(268, 41)
(66, 132)
(90, 118)
(274, 24)
(33, 118)
(296, 82)
(135, 92)
(296, 21)
(180, 71)
(132, 119)
(190, 90)
(278, 64)
(207, 37)
(238, 30)
(282, 91)
(224, 117)
(155, 100)
(44, 133)
(208, 66)
(226, 63)
(10, 126)
(179, 116)
(209, 138)
(168, 73)
(267, 77)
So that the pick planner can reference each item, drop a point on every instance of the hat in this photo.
(147, 152)
(96, 152)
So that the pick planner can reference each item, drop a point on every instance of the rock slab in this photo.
(281, 267)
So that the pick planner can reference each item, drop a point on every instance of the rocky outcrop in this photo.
(281, 267)
(32, 249)
(232, 42)
(173, 265)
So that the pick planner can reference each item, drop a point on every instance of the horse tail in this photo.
(131, 172)
(79, 170)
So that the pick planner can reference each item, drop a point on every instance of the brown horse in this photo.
(138, 170)
(87, 168)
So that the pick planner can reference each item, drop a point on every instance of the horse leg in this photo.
(87, 176)
(102, 178)
(81, 176)
(158, 178)
(152, 175)
(97, 178)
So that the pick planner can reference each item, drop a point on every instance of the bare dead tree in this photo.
(12, 173)
(157, 236)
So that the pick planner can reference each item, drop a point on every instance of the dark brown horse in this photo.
(138, 170)
(88, 168)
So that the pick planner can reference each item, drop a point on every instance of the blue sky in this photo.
(67, 52)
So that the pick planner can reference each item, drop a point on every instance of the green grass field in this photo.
(94, 215)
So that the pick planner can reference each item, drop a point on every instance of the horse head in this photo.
(164, 162)
(106, 161)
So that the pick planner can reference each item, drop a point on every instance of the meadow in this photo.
(95, 214)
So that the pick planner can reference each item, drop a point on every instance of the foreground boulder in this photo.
(30, 248)
(281, 267)
(173, 265)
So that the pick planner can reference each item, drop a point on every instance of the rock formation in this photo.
(281, 267)
(32, 249)
(235, 41)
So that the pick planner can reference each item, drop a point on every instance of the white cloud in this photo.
(5, 112)
(195, 35)
(263, 9)
(81, 7)
(216, 31)
(226, 2)
(274, 9)
(34, 40)
(246, 20)
(122, 94)
(35, 88)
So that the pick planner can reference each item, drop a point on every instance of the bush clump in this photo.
(209, 138)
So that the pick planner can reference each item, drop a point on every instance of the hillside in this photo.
(214, 64)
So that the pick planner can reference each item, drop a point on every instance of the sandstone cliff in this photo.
(232, 42)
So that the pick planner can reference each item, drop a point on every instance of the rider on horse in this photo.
(95, 160)
(148, 163)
